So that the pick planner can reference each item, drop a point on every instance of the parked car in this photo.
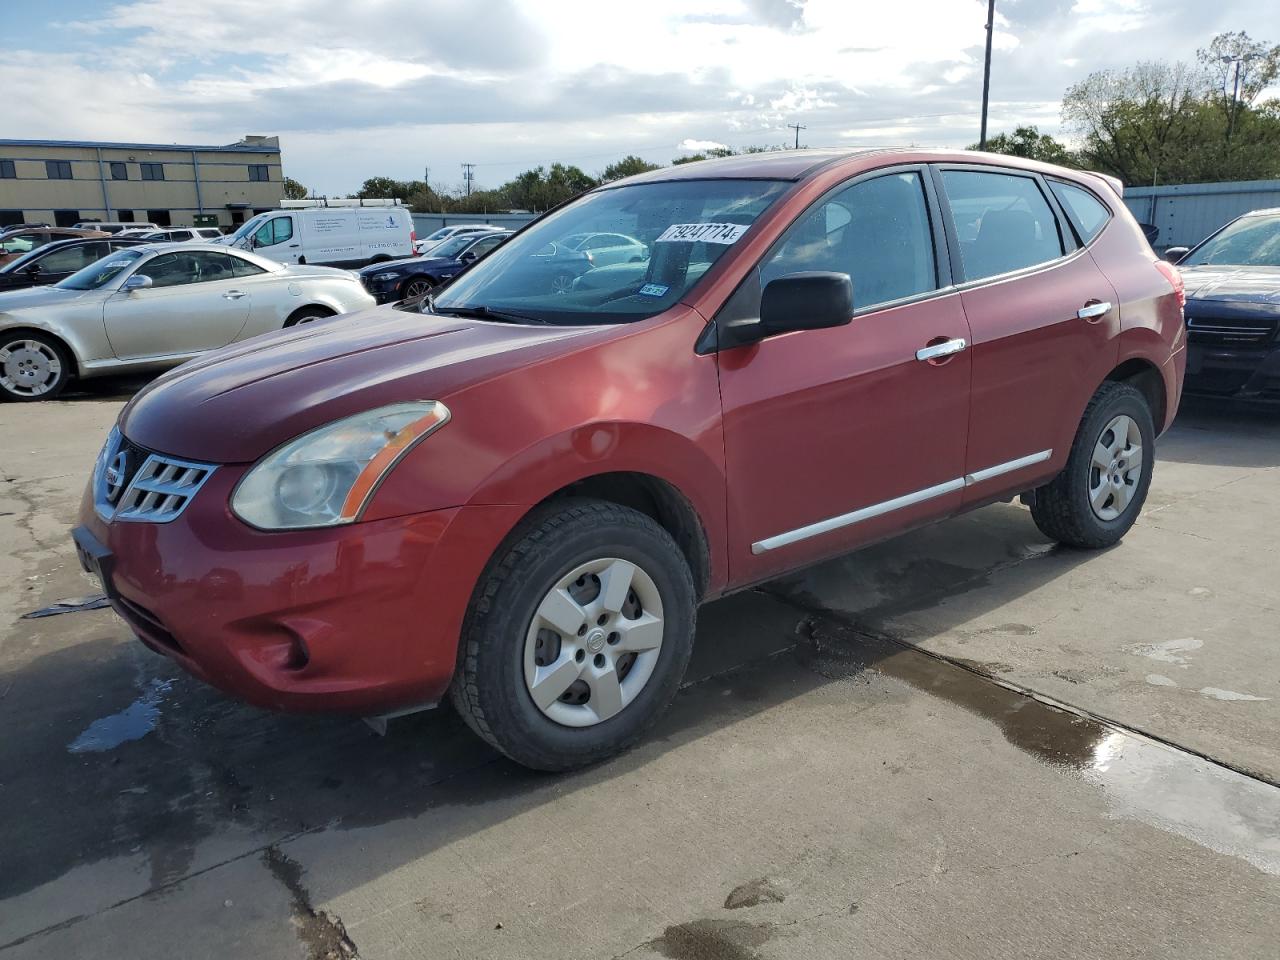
(18, 242)
(606, 249)
(519, 499)
(424, 246)
(338, 236)
(415, 277)
(58, 260)
(12, 227)
(149, 307)
(116, 226)
(1233, 309)
(179, 234)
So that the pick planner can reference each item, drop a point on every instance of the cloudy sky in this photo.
(393, 86)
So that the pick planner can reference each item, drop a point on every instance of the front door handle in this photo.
(232, 295)
(294, 246)
(936, 351)
(1094, 310)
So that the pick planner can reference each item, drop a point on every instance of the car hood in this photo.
(236, 404)
(1242, 284)
(40, 297)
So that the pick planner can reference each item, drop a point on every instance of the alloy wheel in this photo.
(416, 289)
(593, 642)
(29, 368)
(1116, 467)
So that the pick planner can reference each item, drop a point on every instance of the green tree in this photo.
(628, 166)
(1030, 143)
(293, 190)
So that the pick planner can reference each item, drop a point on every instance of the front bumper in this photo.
(1240, 373)
(382, 291)
(363, 618)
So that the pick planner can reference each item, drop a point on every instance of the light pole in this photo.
(1237, 62)
(986, 73)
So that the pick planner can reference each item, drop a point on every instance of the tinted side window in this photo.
(71, 259)
(877, 231)
(169, 270)
(1086, 212)
(243, 268)
(1003, 222)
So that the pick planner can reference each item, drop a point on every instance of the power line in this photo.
(797, 128)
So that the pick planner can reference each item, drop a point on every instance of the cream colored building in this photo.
(65, 181)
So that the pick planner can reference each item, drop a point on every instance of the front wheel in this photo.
(415, 288)
(578, 635)
(32, 367)
(1100, 492)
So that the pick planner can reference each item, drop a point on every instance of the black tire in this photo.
(415, 288)
(306, 315)
(1062, 508)
(48, 349)
(489, 688)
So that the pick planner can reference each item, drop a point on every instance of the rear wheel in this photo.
(1100, 492)
(33, 366)
(578, 635)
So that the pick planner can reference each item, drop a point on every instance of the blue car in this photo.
(414, 277)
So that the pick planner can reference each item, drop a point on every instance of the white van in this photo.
(337, 236)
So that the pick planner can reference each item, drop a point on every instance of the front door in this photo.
(194, 304)
(840, 436)
(1044, 320)
(278, 239)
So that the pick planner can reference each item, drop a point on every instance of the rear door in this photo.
(839, 436)
(195, 303)
(1044, 321)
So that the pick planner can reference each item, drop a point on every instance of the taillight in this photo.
(1175, 279)
(413, 239)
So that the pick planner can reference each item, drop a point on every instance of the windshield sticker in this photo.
(705, 232)
(654, 289)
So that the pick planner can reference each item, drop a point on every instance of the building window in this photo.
(259, 172)
(58, 169)
(159, 217)
(6, 170)
(125, 216)
(66, 218)
(152, 171)
(237, 217)
(119, 171)
(9, 217)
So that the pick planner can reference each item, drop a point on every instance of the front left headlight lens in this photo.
(324, 478)
(383, 277)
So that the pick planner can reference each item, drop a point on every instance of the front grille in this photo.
(135, 484)
(1234, 331)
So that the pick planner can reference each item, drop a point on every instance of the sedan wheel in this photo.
(32, 368)
(593, 642)
(1116, 469)
(415, 289)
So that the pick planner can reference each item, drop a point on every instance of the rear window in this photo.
(1087, 213)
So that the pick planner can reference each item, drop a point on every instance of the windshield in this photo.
(1249, 242)
(30, 256)
(674, 232)
(439, 234)
(99, 274)
(248, 227)
(454, 246)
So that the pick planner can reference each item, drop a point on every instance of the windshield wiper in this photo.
(482, 312)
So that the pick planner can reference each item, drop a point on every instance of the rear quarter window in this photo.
(1086, 212)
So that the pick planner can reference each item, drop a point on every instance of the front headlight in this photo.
(386, 276)
(325, 477)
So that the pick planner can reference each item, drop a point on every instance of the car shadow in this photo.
(212, 767)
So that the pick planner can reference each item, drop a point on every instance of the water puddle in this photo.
(132, 723)
(1159, 785)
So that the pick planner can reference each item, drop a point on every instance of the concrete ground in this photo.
(966, 743)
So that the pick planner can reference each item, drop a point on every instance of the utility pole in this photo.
(468, 174)
(426, 178)
(797, 128)
(986, 73)
(1238, 63)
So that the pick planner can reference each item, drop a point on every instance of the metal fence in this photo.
(1186, 213)
(427, 223)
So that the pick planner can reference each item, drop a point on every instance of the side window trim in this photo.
(1070, 246)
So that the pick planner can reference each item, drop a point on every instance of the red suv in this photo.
(520, 497)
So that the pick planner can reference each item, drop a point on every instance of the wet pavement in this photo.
(948, 745)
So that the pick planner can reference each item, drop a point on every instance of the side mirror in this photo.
(1175, 254)
(136, 282)
(812, 300)
(467, 257)
(32, 270)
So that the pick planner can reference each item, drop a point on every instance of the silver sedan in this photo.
(155, 306)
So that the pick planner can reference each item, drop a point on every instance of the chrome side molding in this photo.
(897, 503)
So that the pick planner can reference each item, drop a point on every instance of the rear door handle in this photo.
(936, 351)
(1094, 310)
(232, 295)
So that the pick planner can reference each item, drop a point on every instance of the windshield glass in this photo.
(29, 257)
(248, 227)
(439, 234)
(670, 235)
(454, 246)
(1249, 242)
(99, 274)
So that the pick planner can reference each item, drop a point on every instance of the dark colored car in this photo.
(520, 498)
(15, 243)
(1233, 309)
(414, 277)
(56, 261)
